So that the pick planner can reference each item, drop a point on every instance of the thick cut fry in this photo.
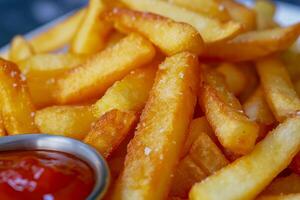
(257, 109)
(186, 174)
(207, 155)
(129, 94)
(41, 71)
(240, 13)
(235, 78)
(154, 151)
(248, 176)
(114, 38)
(253, 45)
(170, 36)
(203, 159)
(93, 30)
(69, 121)
(252, 80)
(280, 197)
(101, 71)
(265, 12)
(20, 49)
(15, 103)
(284, 185)
(59, 35)
(210, 29)
(196, 127)
(209, 8)
(278, 88)
(234, 130)
(110, 130)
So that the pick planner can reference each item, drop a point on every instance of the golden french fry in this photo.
(240, 13)
(41, 71)
(207, 155)
(265, 162)
(196, 127)
(257, 109)
(110, 130)
(16, 106)
(211, 8)
(170, 36)
(265, 11)
(210, 29)
(59, 35)
(186, 174)
(154, 151)
(253, 45)
(235, 79)
(203, 159)
(280, 197)
(69, 121)
(235, 131)
(284, 185)
(278, 88)
(102, 70)
(93, 30)
(20, 49)
(129, 94)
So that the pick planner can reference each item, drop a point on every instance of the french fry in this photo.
(196, 127)
(253, 45)
(235, 79)
(265, 11)
(101, 71)
(211, 8)
(210, 29)
(110, 130)
(154, 151)
(129, 94)
(278, 88)
(93, 30)
(41, 71)
(69, 121)
(284, 185)
(280, 197)
(203, 159)
(15, 104)
(186, 174)
(268, 159)
(240, 13)
(257, 109)
(207, 155)
(171, 37)
(235, 131)
(59, 35)
(20, 49)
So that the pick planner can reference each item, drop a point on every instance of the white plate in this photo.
(286, 14)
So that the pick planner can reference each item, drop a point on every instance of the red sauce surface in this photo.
(43, 175)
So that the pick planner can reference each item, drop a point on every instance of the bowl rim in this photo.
(67, 145)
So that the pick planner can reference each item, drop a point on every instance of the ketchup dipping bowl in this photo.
(82, 171)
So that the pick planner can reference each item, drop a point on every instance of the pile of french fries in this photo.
(193, 99)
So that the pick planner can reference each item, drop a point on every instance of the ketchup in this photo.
(44, 175)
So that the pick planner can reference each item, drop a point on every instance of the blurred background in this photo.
(22, 16)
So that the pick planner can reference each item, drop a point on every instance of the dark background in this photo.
(22, 16)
